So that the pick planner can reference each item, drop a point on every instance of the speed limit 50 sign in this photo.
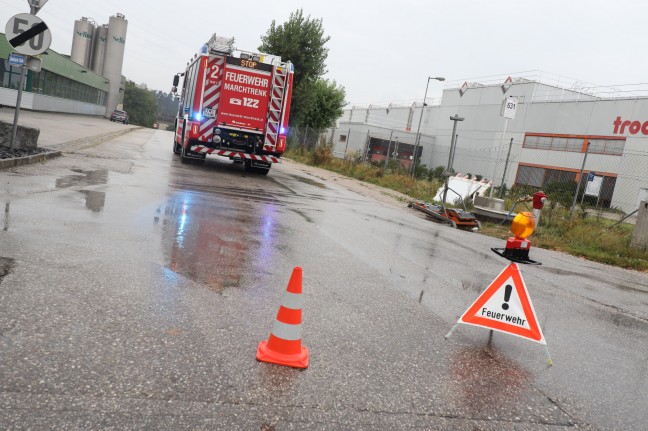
(28, 34)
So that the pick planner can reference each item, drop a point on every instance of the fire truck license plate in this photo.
(209, 113)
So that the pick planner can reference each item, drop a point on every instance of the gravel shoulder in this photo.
(386, 196)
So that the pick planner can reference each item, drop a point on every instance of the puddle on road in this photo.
(309, 181)
(6, 265)
(212, 240)
(95, 201)
(6, 220)
(87, 178)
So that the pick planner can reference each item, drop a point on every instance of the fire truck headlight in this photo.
(216, 139)
(217, 131)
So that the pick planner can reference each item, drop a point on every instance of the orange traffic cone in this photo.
(284, 344)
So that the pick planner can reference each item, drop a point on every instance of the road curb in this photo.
(36, 158)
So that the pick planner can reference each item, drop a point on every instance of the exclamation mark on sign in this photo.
(507, 296)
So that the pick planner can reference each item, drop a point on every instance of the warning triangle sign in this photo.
(505, 306)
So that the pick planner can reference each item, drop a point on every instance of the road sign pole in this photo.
(548, 356)
(14, 131)
(499, 152)
(508, 155)
(36, 5)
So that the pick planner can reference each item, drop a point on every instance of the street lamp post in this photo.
(454, 118)
(418, 132)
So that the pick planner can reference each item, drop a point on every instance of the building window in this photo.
(609, 145)
(539, 177)
(342, 138)
(10, 75)
(530, 176)
(50, 84)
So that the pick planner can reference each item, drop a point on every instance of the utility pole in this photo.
(418, 132)
(455, 118)
(347, 142)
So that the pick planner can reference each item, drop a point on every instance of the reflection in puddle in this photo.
(6, 220)
(309, 181)
(95, 201)
(208, 239)
(87, 178)
(487, 379)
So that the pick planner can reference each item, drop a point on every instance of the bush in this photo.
(420, 172)
(561, 192)
(322, 154)
(436, 173)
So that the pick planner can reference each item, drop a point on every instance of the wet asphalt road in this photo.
(137, 289)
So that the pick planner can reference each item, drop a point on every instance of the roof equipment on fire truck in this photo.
(220, 45)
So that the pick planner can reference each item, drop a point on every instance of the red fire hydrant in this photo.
(539, 199)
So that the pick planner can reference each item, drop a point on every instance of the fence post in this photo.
(347, 142)
(306, 139)
(366, 148)
(580, 179)
(388, 150)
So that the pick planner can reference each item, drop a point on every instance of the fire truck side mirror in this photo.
(176, 81)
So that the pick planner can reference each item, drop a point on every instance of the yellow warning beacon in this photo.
(523, 225)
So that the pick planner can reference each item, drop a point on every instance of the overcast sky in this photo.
(383, 51)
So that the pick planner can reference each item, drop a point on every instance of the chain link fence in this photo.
(305, 137)
(586, 182)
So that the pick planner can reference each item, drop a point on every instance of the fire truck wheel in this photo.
(183, 155)
(248, 166)
(262, 171)
(176, 148)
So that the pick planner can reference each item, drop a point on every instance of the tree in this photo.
(168, 106)
(141, 104)
(316, 102)
(322, 103)
(301, 41)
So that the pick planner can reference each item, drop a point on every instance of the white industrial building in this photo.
(554, 131)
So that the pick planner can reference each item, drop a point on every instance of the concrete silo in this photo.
(99, 53)
(82, 41)
(114, 60)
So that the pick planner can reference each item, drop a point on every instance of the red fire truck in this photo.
(233, 104)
